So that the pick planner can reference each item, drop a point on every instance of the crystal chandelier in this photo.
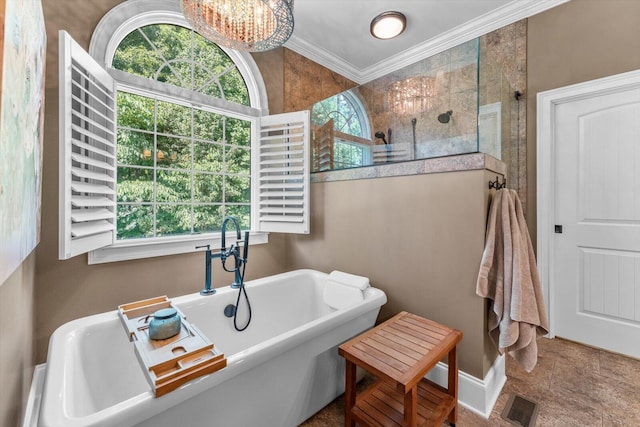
(249, 25)
(412, 95)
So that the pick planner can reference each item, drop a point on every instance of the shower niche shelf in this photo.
(168, 363)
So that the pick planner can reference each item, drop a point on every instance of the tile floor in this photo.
(572, 384)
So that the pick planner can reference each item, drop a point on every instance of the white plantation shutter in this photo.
(87, 218)
(323, 146)
(282, 196)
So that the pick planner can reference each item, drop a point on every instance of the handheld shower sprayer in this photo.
(381, 136)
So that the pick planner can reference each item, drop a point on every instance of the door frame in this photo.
(547, 103)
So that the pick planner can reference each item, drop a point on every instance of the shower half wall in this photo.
(455, 102)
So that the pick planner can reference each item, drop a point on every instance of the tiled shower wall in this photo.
(451, 79)
(456, 89)
(307, 82)
(507, 48)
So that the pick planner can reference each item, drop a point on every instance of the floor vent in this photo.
(520, 411)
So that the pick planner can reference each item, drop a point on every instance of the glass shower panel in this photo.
(497, 115)
(427, 109)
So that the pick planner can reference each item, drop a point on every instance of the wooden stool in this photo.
(400, 352)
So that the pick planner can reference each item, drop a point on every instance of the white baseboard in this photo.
(477, 395)
(32, 411)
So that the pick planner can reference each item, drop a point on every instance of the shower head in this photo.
(445, 117)
(381, 136)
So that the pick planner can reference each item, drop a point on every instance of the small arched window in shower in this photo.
(349, 144)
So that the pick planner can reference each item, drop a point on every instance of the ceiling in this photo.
(335, 33)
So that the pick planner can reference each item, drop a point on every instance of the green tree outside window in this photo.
(348, 118)
(181, 168)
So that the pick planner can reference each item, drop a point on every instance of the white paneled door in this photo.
(596, 262)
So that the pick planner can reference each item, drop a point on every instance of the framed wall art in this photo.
(23, 50)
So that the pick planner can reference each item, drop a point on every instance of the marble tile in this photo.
(553, 413)
(443, 82)
(577, 355)
(438, 60)
(554, 409)
(464, 77)
(333, 414)
(620, 420)
(576, 383)
(618, 396)
(466, 52)
(506, 49)
(617, 366)
(501, 403)
(473, 161)
(306, 82)
(540, 377)
(566, 384)
(464, 120)
(495, 165)
(502, 54)
(467, 417)
(523, 388)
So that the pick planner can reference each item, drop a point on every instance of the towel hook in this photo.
(497, 184)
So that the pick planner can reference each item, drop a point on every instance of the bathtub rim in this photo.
(144, 405)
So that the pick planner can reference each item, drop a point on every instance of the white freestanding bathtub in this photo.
(280, 371)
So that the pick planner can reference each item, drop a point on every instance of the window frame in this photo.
(361, 111)
(133, 14)
(361, 114)
(367, 156)
(339, 136)
(112, 29)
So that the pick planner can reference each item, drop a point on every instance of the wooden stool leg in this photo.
(452, 385)
(411, 407)
(349, 393)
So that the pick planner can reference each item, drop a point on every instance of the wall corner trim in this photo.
(32, 410)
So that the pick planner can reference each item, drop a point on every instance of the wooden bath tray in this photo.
(169, 363)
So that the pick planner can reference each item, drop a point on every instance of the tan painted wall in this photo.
(16, 341)
(579, 41)
(271, 65)
(66, 290)
(419, 238)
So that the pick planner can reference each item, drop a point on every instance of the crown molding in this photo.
(325, 58)
(505, 15)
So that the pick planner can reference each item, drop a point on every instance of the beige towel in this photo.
(509, 277)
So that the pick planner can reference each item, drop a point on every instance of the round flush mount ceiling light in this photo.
(388, 25)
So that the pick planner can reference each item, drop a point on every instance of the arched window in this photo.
(181, 168)
(351, 131)
(181, 57)
(347, 112)
(188, 116)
